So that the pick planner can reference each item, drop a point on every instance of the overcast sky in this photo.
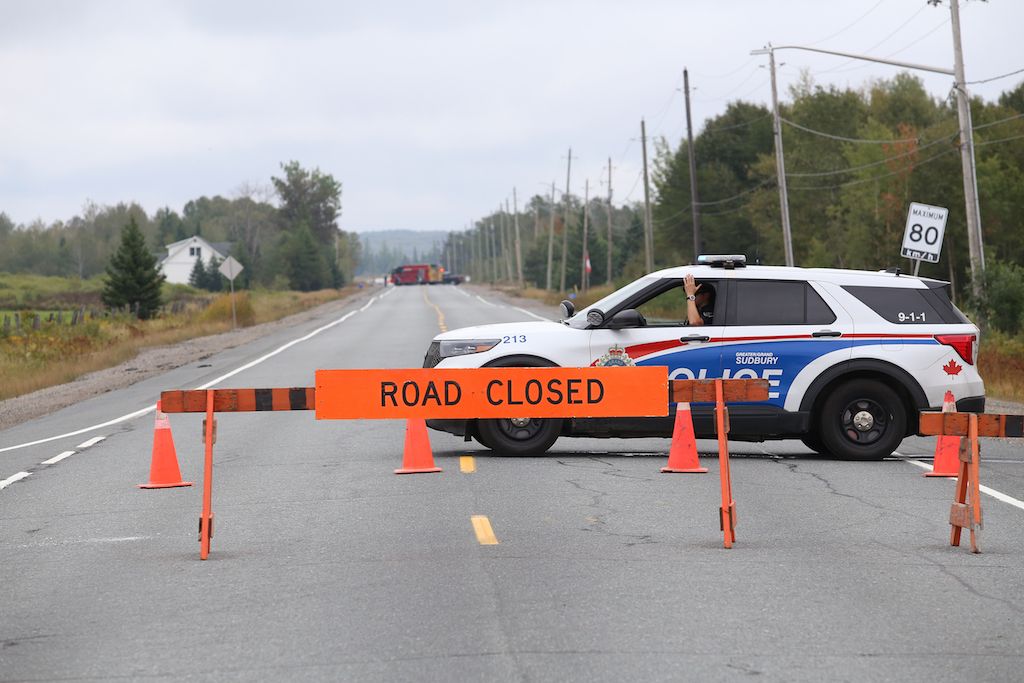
(427, 112)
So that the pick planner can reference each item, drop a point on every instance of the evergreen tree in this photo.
(197, 278)
(303, 262)
(214, 280)
(132, 276)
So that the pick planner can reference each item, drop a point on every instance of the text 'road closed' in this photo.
(492, 392)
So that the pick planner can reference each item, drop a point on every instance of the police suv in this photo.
(850, 356)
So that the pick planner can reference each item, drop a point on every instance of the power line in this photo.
(874, 178)
(883, 40)
(996, 123)
(992, 142)
(916, 150)
(995, 78)
(709, 131)
(840, 137)
(848, 26)
(737, 196)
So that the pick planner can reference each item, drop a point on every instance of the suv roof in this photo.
(835, 275)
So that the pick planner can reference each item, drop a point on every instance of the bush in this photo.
(1003, 297)
(220, 310)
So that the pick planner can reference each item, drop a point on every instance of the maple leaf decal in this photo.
(952, 367)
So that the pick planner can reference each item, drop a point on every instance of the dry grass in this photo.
(55, 354)
(1001, 364)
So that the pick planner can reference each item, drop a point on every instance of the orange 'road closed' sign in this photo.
(492, 392)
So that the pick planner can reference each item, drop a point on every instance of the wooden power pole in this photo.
(648, 228)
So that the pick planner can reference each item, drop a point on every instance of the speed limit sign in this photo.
(922, 239)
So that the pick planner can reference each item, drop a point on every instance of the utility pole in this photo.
(494, 252)
(971, 209)
(694, 200)
(506, 244)
(565, 226)
(963, 104)
(584, 279)
(519, 248)
(648, 234)
(780, 162)
(551, 237)
(608, 279)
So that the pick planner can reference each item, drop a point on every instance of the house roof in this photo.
(221, 249)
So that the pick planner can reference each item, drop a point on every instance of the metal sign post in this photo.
(230, 269)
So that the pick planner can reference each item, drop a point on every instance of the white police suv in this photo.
(850, 356)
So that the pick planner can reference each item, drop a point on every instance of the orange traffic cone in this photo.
(163, 470)
(947, 450)
(418, 457)
(682, 456)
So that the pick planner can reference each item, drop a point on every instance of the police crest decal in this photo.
(616, 356)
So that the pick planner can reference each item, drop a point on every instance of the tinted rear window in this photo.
(774, 302)
(902, 305)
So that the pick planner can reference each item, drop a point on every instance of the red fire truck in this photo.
(418, 274)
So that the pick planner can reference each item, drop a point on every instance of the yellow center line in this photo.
(467, 464)
(440, 315)
(484, 533)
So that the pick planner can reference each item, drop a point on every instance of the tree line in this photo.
(854, 158)
(294, 244)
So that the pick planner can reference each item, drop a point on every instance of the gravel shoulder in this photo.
(151, 362)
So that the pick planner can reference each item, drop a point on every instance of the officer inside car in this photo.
(700, 302)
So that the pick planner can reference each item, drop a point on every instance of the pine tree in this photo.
(132, 276)
(197, 278)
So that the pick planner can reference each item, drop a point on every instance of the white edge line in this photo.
(57, 458)
(532, 315)
(998, 495)
(91, 442)
(13, 478)
(149, 409)
(486, 301)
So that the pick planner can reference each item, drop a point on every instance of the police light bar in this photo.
(728, 261)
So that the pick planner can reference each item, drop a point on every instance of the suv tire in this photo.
(862, 419)
(507, 436)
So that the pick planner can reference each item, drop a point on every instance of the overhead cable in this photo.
(841, 138)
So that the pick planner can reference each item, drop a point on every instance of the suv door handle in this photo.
(695, 338)
(826, 333)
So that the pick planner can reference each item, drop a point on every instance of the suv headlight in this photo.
(461, 347)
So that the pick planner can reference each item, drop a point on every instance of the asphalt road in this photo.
(327, 566)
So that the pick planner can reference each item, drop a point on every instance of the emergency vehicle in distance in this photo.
(851, 356)
(418, 274)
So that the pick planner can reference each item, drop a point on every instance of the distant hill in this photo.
(383, 250)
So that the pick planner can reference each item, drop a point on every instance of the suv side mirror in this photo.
(568, 309)
(628, 317)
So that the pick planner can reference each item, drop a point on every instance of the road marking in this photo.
(462, 293)
(998, 495)
(486, 301)
(91, 442)
(484, 533)
(532, 315)
(467, 464)
(57, 458)
(15, 477)
(150, 409)
(440, 315)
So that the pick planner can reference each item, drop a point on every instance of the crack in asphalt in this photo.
(598, 521)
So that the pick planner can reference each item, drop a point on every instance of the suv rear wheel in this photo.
(862, 419)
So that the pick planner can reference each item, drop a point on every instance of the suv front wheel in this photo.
(862, 419)
(519, 436)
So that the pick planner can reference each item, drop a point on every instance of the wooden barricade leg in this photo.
(966, 510)
(726, 513)
(206, 520)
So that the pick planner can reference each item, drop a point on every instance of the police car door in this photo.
(787, 332)
(663, 335)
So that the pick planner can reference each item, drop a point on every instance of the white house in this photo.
(181, 257)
